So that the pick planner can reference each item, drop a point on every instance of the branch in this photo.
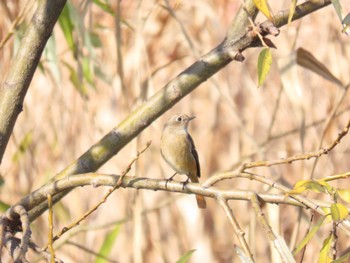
(98, 179)
(239, 232)
(14, 89)
(238, 39)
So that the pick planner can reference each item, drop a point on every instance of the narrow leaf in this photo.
(264, 65)
(74, 78)
(325, 251)
(309, 235)
(293, 4)
(304, 185)
(107, 245)
(104, 6)
(343, 258)
(264, 8)
(23, 146)
(307, 60)
(184, 258)
(344, 194)
(338, 9)
(339, 212)
(67, 26)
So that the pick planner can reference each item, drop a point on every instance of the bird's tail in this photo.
(201, 202)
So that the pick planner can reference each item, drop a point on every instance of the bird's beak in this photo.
(191, 118)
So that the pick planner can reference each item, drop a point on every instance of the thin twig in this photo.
(50, 247)
(299, 157)
(239, 232)
(331, 117)
(103, 200)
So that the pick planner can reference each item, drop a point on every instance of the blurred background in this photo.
(104, 59)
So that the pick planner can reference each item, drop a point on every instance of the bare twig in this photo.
(299, 157)
(103, 200)
(239, 232)
(330, 118)
(50, 238)
(286, 256)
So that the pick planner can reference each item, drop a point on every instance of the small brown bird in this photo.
(178, 150)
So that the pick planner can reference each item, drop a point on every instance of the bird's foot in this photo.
(184, 183)
(169, 179)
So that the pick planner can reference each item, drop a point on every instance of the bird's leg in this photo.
(170, 179)
(185, 182)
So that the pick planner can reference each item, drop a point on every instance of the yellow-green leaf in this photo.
(326, 185)
(107, 245)
(304, 185)
(293, 4)
(309, 235)
(339, 212)
(327, 211)
(343, 258)
(325, 251)
(184, 258)
(264, 65)
(264, 8)
(344, 194)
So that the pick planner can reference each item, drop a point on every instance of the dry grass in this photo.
(234, 119)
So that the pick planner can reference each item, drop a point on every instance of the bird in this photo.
(178, 150)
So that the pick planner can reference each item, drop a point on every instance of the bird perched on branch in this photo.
(178, 150)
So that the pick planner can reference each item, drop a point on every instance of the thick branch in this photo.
(96, 179)
(14, 89)
(238, 39)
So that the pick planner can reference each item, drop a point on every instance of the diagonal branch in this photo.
(14, 89)
(238, 38)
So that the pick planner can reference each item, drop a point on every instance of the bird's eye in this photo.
(179, 118)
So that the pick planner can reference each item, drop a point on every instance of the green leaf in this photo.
(88, 73)
(264, 8)
(74, 78)
(344, 194)
(325, 251)
(105, 6)
(264, 65)
(309, 235)
(339, 212)
(95, 40)
(4, 207)
(107, 245)
(67, 26)
(23, 146)
(184, 258)
(2, 181)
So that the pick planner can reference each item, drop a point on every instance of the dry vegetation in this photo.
(236, 122)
